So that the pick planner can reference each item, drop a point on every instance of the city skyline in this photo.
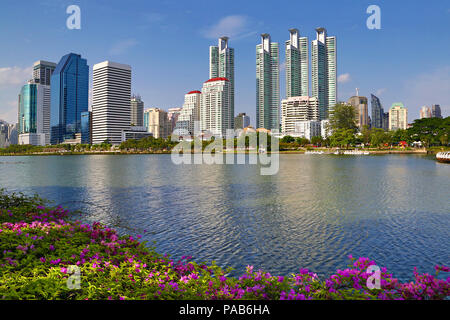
(384, 69)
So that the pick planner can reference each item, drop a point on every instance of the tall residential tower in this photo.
(323, 71)
(267, 84)
(221, 65)
(297, 65)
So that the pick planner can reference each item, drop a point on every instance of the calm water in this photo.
(313, 213)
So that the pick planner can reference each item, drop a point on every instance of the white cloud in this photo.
(122, 47)
(379, 92)
(10, 113)
(343, 78)
(234, 26)
(15, 75)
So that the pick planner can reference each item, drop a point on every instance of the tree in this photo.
(317, 140)
(343, 117)
(342, 138)
(287, 139)
(366, 135)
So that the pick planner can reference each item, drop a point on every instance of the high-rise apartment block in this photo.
(267, 84)
(436, 111)
(297, 109)
(111, 108)
(215, 110)
(324, 71)
(398, 116)
(297, 65)
(157, 122)
(221, 65)
(172, 115)
(69, 97)
(190, 113)
(137, 111)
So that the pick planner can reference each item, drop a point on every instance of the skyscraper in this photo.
(34, 114)
(172, 115)
(425, 112)
(436, 111)
(43, 71)
(157, 122)
(69, 97)
(221, 65)
(377, 112)
(137, 111)
(267, 84)
(323, 71)
(361, 109)
(241, 121)
(111, 108)
(215, 113)
(297, 65)
(189, 113)
(398, 116)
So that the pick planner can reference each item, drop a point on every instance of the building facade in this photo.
(324, 71)
(190, 113)
(436, 111)
(111, 96)
(306, 129)
(86, 127)
(297, 65)
(360, 104)
(221, 65)
(241, 121)
(69, 97)
(157, 122)
(42, 71)
(398, 116)
(172, 115)
(137, 111)
(377, 112)
(215, 111)
(425, 112)
(267, 84)
(297, 109)
(34, 114)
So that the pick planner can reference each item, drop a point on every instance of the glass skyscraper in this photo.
(323, 71)
(377, 112)
(297, 65)
(69, 97)
(267, 84)
(86, 127)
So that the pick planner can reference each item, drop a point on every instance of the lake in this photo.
(318, 209)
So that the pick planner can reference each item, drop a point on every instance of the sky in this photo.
(167, 45)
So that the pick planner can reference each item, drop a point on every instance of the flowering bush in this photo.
(38, 246)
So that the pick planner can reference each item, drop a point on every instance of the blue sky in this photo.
(166, 43)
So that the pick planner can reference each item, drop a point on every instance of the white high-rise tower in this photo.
(297, 65)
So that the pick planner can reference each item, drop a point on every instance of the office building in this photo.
(34, 114)
(436, 111)
(135, 133)
(398, 116)
(377, 112)
(385, 121)
(42, 71)
(267, 84)
(86, 127)
(157, 122)
(221, 65)
(241, 121)
(360, 104)
(137, 111)
(296, 109)
(324, 71)
(172, 115)
(190, 113)
(69, 97)
(297, 65)
(306, 129)
(425, 112)
(111, 96)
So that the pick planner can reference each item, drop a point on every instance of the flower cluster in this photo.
(38, 246)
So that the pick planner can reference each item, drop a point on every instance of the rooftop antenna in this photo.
(357, 92)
